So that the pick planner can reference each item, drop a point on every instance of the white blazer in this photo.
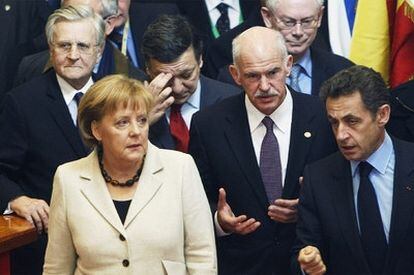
(168, 228)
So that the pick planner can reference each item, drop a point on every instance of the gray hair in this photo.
(110, 7)
(74, 14)
(271, 4)
(279, 43)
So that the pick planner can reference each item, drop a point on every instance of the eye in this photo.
(64, 46)
(186, 75)
(289, 23)
(142, 121)
(272, 73)
(122, 123)
(83, 47)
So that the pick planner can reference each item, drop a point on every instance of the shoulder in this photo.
(306, 103)
(217, 87)
(229, 105)
(323, 56)
(78, 165)
(328, 164)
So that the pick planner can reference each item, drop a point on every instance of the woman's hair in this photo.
(105, 97)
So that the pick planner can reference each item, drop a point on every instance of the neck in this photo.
(78, 83)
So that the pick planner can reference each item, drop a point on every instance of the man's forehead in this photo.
(80, 29)
(173, 67)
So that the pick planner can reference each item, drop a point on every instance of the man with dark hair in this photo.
(357, 206)
(251, 149)
(173, 60)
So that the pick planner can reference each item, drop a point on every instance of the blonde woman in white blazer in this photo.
(128, 207)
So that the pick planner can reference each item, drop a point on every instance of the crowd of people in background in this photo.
(200, 137)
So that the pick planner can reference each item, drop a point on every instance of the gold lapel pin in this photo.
(307, 134)
(7, 7)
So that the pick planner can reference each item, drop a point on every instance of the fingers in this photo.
(311, 261)
(287, 203)
(157, 85)
(221, 199)
(33, 210)
(283, 210)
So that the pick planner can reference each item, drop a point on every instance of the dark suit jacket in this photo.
(327, 216)
(221, 144)
(212, 92)
(36, 64)
(219, 53)
(197, 14)
(22, 26)
(38, 135)
(141, 14)
(401, 124)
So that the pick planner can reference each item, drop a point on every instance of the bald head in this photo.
(258, 41)
(96, 5)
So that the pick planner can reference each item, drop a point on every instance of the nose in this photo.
(177, 85)
(135, 129)
(74, 53)
(264, 83)
(297, 29)
(341, 133)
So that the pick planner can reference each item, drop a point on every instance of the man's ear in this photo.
(267, 17)
(200, 62)
(109, 24)
(289, 63)
(383, 114)
(320, 15)
(235, 74)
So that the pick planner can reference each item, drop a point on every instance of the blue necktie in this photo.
(270, 166)
(294, 77)
(373, 238)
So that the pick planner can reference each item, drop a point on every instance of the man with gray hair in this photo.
(39, 122)
(252, 157)
(298, 21)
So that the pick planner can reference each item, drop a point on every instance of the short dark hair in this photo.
(168, 37)
(358, 78)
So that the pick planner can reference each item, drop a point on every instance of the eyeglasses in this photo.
(66, 47)
(307, 23)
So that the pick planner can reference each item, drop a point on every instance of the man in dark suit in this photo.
(173, 58)
(298, 21)
(111, 62)
(21, 33)
(231, 143)
(39, 118)
(357, 206)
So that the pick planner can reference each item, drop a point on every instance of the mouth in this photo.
(134, 146)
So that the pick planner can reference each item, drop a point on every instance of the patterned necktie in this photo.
(179, 129)
(270, 166)
(294, 77)
(223, 22)
(77, 97)
(372, 230)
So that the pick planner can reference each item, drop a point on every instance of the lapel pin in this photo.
(408, 188)
(7, 7)
(307, 134)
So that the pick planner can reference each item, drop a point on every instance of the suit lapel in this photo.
(148, 186)
(95, 191)
(343, 199)
(403, 200)
(318, 72)
(160, 134)
(240, 141)
(302, 134)
(56, 105)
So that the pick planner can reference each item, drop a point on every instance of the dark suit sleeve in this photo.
(200, 155)
(13, 147)
(308, 228)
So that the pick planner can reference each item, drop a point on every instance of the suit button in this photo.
(121, 237)
(125, 263)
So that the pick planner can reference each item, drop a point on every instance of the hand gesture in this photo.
(231, 224)
(284, 211)
(34, 210)
(162, 96)
(310, 261)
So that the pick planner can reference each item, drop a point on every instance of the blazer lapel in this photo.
(318, 72)
(403, 201)
(160, 134)
(148, 186)
(343, 199)
(239, 140)
(302, 134)
(59, 110)
(95, 191)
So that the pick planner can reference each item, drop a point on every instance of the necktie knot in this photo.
(268, 123)
(77, 97)
(222, 8)
(176, 108)
(364, 169)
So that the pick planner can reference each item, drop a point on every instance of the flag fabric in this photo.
(339, 27)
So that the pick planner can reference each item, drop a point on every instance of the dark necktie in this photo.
(372, 230)
(179, 129)
(223, 22)
(294, 77)
(77, 97)
(270, 166)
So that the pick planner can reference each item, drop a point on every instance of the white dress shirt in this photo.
(234, 11)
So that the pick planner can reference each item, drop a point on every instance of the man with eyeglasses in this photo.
(298, 21)
(38, 122)
(111, 62)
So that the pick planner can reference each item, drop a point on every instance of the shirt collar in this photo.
(68, 91)
(195, 98)
(212, 4)
(380, 158)
(306, 63)
(282, 116)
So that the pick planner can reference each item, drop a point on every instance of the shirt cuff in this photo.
(8, 210)
(219, 231)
